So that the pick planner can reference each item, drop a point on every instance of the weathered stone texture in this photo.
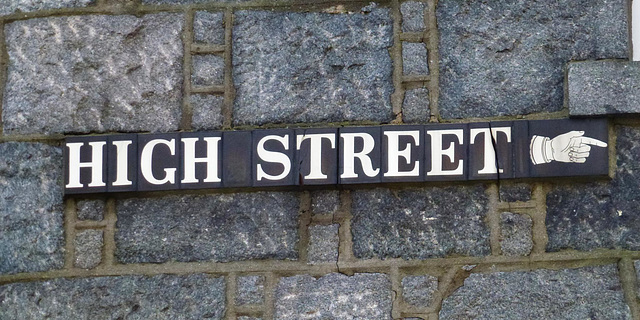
(508, 57)
(208, 70)
(223, 227)
(14, 6)
(637, 265)
(31, 231)
(415, 107)
(420, 223)
(93, 73)
(90, 210)
(125, 297)
(600, 215)
(315, 67)
(334, 296)
(323, 243)
(207, 111)
(413, 16)
(418, 290)
(515, 234)
(604, 87)
(248, 318)
(208, 27)
(415, 60)
(88, 248)
(325, 201)
(512, 192)
(584, 293)
(250, 290)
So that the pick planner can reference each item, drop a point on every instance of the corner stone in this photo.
(420, 223)
(508, 57)
(584, 293)
(334, 296)
(31, 206)
(94, 73)
(604, 88)
(195, 296)
(221, 227)
(287, 79)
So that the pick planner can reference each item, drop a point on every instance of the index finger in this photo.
(592, 141)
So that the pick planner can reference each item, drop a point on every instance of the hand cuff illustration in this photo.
(568, 147)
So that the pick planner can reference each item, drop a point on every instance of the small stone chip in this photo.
(323, 243)
(90, 210)
(250, 290)
(207, 111)
(325, 201)
(88, 248)
(418, 290)
(208, 70)
(415, 107)
(515, 234)
(415, 60)
(413, 13)
(208, 27)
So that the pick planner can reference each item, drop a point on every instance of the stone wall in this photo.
(533, 249)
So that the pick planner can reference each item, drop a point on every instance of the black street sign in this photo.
(346, 155)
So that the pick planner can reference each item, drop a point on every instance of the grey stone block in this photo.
(507, 57)
(248, 318)
(587, 216)
(413, 13)
(325, 201)
(420, 223)
(31, 206)
(207, 111)
(512, 192)
(88, 248)
(94, 73)
(207, 70)
(208, 27)
(15, 6)
(415, 107)
(250, 290)
(418, 290)
(323, 243)
(604, 87)
(415, 60)
(515, 234)
(195, 296)
(287, 79)
(90, 210)
(584, 293)
(222, 227)
(334, 296)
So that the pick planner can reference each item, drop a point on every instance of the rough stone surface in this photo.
(208, 27)
(195, 296)
(599, 215)
(207, 111)
(316, 67)
(584, 293)
(248, 318)
(512, 192)
(14, 6)
(222, 227)
(88, 248)
(418, 290)
(334, 296)
(90, 210)
(323, 243)
(420, 223)
(515, 234)
(31, 222)
(415, 60)
(413, 16)
(325, 201)
(93, 73)
(507, 57)
(208, 70)
(604, 87)
(250, 290)
(415, 107)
